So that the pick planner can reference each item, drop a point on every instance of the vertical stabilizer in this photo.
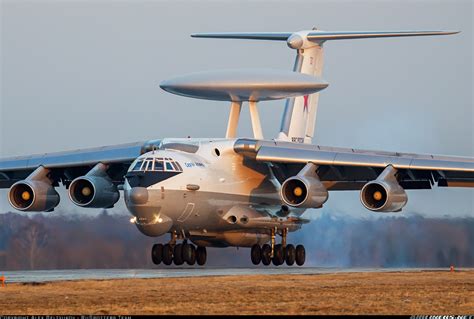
(299, 117)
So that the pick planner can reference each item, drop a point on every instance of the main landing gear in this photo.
(178, 253)
(278, 254)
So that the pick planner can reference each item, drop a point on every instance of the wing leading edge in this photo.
(68, 165)
(350, 169)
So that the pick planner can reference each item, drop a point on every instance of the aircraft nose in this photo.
(138, 195)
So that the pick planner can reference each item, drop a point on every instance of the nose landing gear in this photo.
(278, 254)
(157, 253)
(178, 253)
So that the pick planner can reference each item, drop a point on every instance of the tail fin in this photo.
(299, 117)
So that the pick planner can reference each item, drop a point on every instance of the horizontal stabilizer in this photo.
(342, 35)
(317, 35)
(276, 36)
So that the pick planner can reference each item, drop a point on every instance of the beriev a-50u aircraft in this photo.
(234, 191)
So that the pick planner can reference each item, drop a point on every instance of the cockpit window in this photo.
(179, 168)
(137, 166)
(147, 166)
(175, 167)
(159, 164)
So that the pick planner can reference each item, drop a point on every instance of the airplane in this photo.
(235, 191)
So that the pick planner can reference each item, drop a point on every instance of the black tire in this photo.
(290, 254)
(201, 255)
(256, 254)
(178, 255)
(278, 257)
(167, 254)
(190, 255)
(266, 254)
(186, 252)
(300, 255)
(157, 253)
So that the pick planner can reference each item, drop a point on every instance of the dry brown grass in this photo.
(427, 292)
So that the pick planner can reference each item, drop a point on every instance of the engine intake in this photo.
(384, 194)
(35, 193)
(95, 189)
(304, 190)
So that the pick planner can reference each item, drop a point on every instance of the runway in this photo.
(106, 274)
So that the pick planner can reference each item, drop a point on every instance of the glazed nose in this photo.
(138, 195)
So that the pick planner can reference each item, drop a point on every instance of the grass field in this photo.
(421, 292)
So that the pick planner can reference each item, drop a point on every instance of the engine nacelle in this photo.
(95, 189)
(34, 194)
(384, 194)
(304, 190)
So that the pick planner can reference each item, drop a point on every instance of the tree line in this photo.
(52, 241)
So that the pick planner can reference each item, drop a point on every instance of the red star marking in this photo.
(305, 106)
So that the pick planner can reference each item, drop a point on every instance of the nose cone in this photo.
(138, 195)
(295, 41)
(157, 226)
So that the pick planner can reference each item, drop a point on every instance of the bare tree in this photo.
(28, 241)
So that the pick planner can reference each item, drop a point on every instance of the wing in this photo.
(66, 166)
(351, 169)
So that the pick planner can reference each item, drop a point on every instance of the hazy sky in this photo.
(77, 74)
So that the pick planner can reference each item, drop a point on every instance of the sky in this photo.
(78, 74)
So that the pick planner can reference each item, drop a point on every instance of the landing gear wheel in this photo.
(278, 257)
(189, 254)
(192, 261)
(167, 254)
(178, 255)
(201, 255)
(256, 254)
(290, 254)
(300, 255)
(186, 252)
(266, 254)
(157, 253)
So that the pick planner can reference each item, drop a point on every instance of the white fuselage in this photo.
(189, 190)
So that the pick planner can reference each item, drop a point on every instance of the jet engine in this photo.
(95, 189)
(384, 194)
(304, 190)
(35, 193)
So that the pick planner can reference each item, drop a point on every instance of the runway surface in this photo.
(103, 274)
